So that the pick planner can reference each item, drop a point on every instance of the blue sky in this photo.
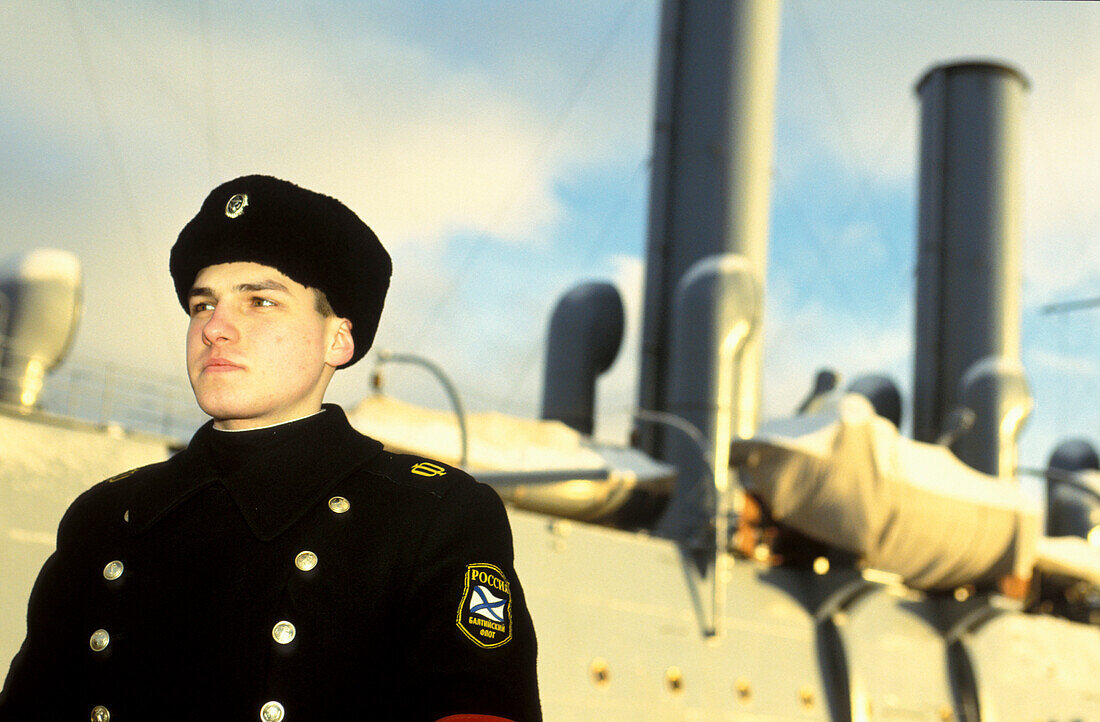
(500, 150)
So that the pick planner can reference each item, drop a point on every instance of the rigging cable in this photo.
(524, 369)
(1066, 306)
(212, 151)
(114, 155)
(436, 314)
(860, 200)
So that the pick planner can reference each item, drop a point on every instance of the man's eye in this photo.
(262, 301)
(201, 306)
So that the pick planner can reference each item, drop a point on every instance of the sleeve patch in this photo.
(485, 610)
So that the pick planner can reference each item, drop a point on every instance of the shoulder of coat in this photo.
(137, 472)
(124, 482)
(107, 497)
(418, 472)
(123, 475)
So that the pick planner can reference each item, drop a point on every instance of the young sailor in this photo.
(282, 567)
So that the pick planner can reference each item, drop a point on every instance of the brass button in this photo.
(100, 714)
(305, 560)
(113, 570)
(338, 504)
(99, 640)
(283, 632)
(272, 712)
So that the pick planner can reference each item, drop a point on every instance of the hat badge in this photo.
(236, 205)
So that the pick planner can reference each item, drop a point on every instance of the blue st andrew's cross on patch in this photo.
(485, 611)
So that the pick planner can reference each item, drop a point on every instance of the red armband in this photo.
(473, 718)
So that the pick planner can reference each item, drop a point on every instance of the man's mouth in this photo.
(221, 364)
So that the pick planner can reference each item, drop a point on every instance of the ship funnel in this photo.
(40, 295)
(709, 198)
(586, 331)
(968, 264)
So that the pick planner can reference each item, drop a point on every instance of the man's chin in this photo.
(225, 411)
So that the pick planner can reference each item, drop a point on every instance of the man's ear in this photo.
(342, 347)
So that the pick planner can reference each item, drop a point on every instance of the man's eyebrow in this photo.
(265, 285)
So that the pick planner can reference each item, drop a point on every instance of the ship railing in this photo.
(109, 394)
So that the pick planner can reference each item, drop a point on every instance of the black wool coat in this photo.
(295, 573)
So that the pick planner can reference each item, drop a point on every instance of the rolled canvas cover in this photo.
(505, 447)
(844, 476)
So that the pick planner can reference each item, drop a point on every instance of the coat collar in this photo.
(273, 475)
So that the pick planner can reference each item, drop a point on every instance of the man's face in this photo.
(258, 351)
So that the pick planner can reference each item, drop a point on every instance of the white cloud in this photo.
(801, 340)
(143, 108)
(421, 147)
(436, 134)
(453, 154)
(1063, 364)
(862, 240)
(847, 94)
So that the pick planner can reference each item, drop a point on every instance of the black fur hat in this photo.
(311, 238)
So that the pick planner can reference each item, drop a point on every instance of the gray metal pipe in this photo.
(386, 356)
(586, 330)
(715, 311)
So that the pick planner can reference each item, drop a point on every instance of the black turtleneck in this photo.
(273, 474)
(232, 451)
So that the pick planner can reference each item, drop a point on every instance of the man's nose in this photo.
(220, 327)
